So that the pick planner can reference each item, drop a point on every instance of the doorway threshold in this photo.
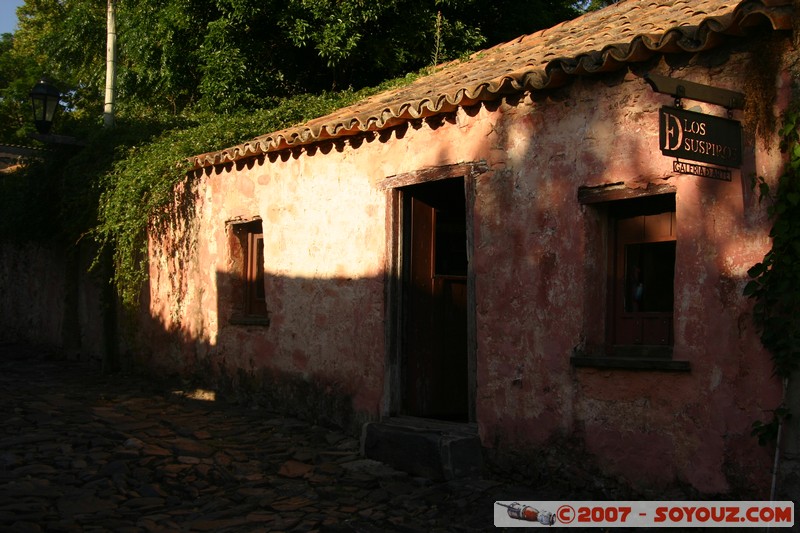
(424, 447)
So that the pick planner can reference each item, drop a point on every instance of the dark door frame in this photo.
(394, 268)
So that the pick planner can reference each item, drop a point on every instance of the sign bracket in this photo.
(680, 89)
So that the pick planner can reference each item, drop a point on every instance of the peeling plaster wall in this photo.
(540, 274)
(539, 271)
(324, 259)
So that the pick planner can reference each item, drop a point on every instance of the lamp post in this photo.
(44, 98)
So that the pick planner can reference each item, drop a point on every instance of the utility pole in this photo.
(111, 361)
(111, 65)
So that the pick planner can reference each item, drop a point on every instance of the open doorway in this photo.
(435, 369)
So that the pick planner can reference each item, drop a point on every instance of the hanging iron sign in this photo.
(700, 137)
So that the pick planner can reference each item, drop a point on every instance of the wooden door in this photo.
(435, 355)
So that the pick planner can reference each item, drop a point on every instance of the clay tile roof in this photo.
(601, 41)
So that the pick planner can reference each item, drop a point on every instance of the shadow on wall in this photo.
(50, 298)
(317, 349)
(316, 353)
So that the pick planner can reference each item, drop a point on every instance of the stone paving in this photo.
(80, 451)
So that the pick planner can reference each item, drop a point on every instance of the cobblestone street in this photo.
(80, 451)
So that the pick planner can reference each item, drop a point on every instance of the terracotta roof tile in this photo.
(627, 32)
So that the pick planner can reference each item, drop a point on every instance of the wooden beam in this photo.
(433, 174)
(619, 191)
(695, 91)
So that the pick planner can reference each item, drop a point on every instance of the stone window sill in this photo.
(249, 321)
(653, 358)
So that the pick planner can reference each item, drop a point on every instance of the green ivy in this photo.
(775, 281)
(144, 180)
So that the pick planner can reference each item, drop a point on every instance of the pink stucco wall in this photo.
(537, 269)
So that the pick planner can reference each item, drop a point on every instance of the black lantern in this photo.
(44, 98)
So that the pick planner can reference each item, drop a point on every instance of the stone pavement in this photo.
(80, 451)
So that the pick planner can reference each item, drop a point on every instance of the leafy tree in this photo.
(196, 75)
(66, 39)
(224, 55)
(775, 281)
(504, 20)
(17, 76)
(594, 5)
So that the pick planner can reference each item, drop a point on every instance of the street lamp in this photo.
(44, 98)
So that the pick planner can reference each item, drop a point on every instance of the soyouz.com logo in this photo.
(644, 514)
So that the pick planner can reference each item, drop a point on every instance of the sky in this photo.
(8, 15)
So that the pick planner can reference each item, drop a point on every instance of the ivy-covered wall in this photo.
(775, 289)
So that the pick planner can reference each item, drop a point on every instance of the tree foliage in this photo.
(229, 55)
(18, 74)
(199, 75)
(775, 281)
(594, 5)
(144, 180)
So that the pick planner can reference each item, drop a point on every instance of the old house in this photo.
(545, 244)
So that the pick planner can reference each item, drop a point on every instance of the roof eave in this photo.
(556, 72)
